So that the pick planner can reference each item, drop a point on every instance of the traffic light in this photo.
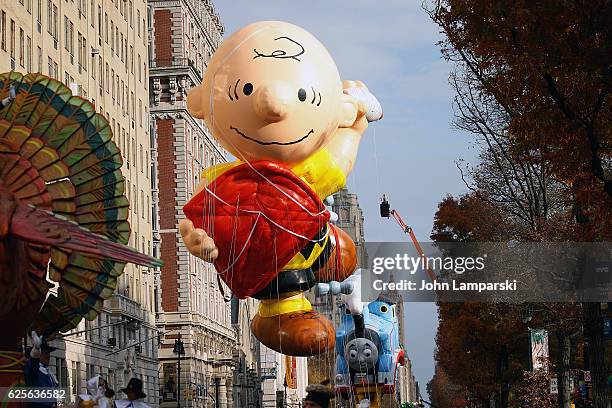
(193, 392)
(186, 394)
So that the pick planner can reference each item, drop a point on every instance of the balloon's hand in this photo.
(36, 345)
(198, 242)
(367, 104)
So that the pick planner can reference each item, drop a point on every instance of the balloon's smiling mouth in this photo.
(272, 143)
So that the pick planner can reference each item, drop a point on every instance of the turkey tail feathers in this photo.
(58, 155)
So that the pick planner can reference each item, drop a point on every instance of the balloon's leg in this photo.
(290, 326)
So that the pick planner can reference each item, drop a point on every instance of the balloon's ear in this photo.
(349, 111)
(195, 102)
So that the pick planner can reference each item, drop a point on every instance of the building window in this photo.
(76, 377)
(92, 10)
(55, 30)
(139, 26)
(136, 209)
(112, 85)
(100, 25)
(49, 17)
(61, 372)
(40, 59)
(80, 50)
(21, 47)
(29, 54)
(66, 33)
(39, 15)
(3, 30)
(112, 36)
(101, 74)
(12, 40)
(84, 51)
(106, 27)
(69, 38)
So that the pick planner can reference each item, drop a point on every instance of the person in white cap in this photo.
(98, 393)
(36, 370)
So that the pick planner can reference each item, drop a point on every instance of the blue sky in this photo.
(410, 155)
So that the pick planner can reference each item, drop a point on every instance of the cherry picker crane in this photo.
(387, 212)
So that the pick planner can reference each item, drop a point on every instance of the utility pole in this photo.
(285, 396)
(178, 349)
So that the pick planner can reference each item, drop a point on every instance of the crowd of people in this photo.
(99, 394)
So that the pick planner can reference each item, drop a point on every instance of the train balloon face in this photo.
(367, 348)
(361, 354)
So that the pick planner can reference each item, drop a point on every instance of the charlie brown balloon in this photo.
(272, 96)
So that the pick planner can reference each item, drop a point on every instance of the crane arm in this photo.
(385, 211)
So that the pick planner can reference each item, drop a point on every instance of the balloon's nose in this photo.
(272, 101)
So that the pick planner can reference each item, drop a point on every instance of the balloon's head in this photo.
(273, 92)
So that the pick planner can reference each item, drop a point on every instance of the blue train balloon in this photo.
(368, 348)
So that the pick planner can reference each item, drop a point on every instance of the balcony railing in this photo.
(123, 305)
(175, 63)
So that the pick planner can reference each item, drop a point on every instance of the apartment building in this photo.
(184, 35)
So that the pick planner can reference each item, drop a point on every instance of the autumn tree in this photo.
(547, 68)
(549, 65)
(444, 393)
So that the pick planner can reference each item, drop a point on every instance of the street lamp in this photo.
(285, 385)
(178, 349)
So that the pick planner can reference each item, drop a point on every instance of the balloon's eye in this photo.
(367, 353)
(353, 354)
(248, 88)
(302, 94)
(384, 309)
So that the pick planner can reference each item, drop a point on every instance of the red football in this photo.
(259, 215)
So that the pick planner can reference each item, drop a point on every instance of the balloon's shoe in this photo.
(290, 326)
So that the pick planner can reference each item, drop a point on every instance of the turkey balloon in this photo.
(63, 213)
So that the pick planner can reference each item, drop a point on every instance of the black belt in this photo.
(288, 281)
